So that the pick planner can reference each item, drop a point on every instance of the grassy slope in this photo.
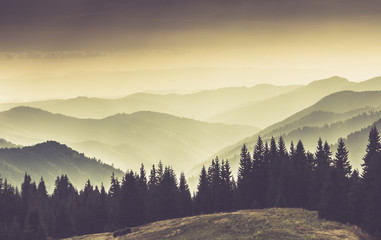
(272, 223)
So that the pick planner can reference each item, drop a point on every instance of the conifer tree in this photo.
(185, 197)
(260, 174)
(320, 169)
(372, 148)
(354, 200)
(274, 172)
(227, 186)
(372, 218)
(244, 179)
(300, 178)
(333, 204)
(168, 195)
(203, 193)
(341, 162)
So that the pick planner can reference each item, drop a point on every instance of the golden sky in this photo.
(105, 48)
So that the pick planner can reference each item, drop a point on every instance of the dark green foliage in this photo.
(333, 203)
(319, 171)
(300, 175)
(244, 182)
(372, 218)
(271, 178)
(259, 175)
(203, 196)
(185, 197)
(373, 147)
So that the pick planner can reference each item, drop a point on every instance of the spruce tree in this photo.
(244, 179)
(372, 148)
(354, 200)
(227, 186)
(333, 203)
(300, 176)
(341, 162)
(274, 172)
(372, 218)
(203, 193)
(320, 169)
(185, 197)
(169, 203)
(260, 174)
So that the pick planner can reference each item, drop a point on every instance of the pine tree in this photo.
(341, 162)
(244, 179)
(185, 197)
(274, 172)
(372, 148)
(284, 175)
(203, 193)
(169, 202)
(333, 203)
(372, 218)
(260, 174)
(227, 186)
(300, 178)
(354, 200)
(320, 169)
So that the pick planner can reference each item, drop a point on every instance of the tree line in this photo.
(271, 176)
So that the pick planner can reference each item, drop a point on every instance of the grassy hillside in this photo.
(50, 160)
(272, 223)
(200, 105)
(127, 140)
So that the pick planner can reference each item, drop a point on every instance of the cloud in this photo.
(32, 55)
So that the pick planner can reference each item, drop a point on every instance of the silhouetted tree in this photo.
(203, 193)
(244, 181)
(333, 203)
(185, 197)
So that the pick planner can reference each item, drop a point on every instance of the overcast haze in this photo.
(112, 48)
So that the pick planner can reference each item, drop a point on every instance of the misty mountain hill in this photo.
(201, 105)
(340, 102)
(269, 111)
(5, 144)
(334, 116)
(50, 160)
(124, 139)
(274, 223)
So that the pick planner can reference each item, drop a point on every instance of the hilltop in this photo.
(274, 223)
(51, 159)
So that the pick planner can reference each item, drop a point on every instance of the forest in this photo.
(271, 176)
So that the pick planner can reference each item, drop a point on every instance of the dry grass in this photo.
(274, 223)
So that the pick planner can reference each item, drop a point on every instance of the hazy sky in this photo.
(65, 48)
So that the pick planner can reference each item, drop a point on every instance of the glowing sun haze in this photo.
(51, 49)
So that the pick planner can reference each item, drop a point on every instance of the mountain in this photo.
(267, 112)
(200, 105)
(273, 223)
(50, 160)
(5, 144)
(336, 115)
(124, 139)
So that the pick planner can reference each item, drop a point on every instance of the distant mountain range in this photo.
(143, 128)
(51, 159)
(127, 140)
(337, 115)
(201, 105)
(269, 111)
